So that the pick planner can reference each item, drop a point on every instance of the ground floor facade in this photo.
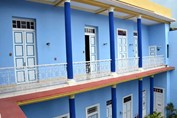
(98, 103)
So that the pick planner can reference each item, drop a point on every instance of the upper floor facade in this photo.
(34, 43)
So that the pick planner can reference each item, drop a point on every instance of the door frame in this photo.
(163, 98)
(35, 47)
(118, 55)
(96, 44)
(131, 104)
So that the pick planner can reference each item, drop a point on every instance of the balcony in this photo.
(55, 75)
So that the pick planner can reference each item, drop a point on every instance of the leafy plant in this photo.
(171, 111)
(155, 115)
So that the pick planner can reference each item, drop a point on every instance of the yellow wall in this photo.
(148, 5)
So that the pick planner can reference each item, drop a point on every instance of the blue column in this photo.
(68, 39)
(140, 82)
(151, 94)
(114, 102)
(140, 63)
(112, 45)
(72, 111)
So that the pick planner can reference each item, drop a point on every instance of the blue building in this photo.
(85, 59)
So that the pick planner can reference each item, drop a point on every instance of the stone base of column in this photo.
(114, 74)
(71, 81)
(140, 69)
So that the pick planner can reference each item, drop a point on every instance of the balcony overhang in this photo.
(14, 101)
(124, 9)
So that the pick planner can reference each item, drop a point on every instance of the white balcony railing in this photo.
(46, 75)
(153, 61)
(127, 65)
(55, 74)
(91, 69)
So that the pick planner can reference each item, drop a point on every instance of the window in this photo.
(90, 30)
(23, 24)
(93, 111)
(63, 116)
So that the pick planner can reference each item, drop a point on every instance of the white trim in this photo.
(118, 56)
(61, 116)
(131, 104)
(98, 110)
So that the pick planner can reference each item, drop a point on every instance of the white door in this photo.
(144, 103)
(122, 44)
(127, 107)
(122, 49)
(109, 109)
(159, 100)
(91, 49)
(24, 51)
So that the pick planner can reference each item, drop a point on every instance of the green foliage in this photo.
(171, 111)
(155, 115)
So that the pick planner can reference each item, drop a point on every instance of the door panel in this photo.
(93, 53)
(20, 76)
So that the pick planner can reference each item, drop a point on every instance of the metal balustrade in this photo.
(127, 65)
(56, 74)
(153, 61)
(91, 69)
(45, 75)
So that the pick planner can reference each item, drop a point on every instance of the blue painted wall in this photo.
(172, 62)
(157, 36)
(48, 109)
(50, 28)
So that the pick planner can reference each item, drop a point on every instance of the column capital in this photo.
(114, 86)
(67, 0)
(71, 96)
(152, 76)
(111, 9)
(140, 79)
(139, 17)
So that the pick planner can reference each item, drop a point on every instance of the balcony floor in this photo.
(56, 91)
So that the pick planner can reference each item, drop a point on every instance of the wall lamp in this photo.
(48, 44)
